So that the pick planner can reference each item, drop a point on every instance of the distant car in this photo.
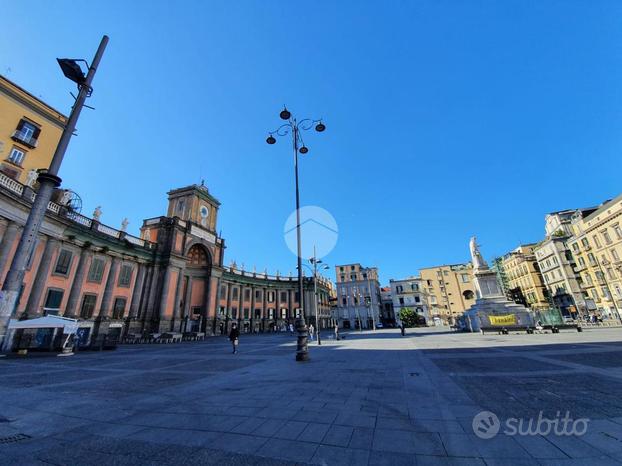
(379, 325)
(568, 319)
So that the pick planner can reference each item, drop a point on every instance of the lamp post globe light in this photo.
(294, 127)
(48, 180)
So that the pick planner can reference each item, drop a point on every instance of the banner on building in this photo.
(509, 319)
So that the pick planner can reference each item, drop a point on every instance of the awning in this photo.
(69, 325)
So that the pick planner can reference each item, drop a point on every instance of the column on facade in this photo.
(240, 303)
(252, 310)
(207, 290)
(187, 303)
(71, 310)
(6, 245)
(164, 292)
(146, 292)
(217, 310)
(177, 303)
(155, 284)
(137, 291)
(228, 309)
(32, 307)
(106, 305)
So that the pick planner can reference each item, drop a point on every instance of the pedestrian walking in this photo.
(311, 330)
(402, 328)
(336, 331)
(234, 337)
(291, 328)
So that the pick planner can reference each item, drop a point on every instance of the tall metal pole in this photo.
(47, 182)
(317, 319)
(302, 350)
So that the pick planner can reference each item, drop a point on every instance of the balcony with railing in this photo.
(25, 138)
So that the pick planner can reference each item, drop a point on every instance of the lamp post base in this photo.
(302, 350)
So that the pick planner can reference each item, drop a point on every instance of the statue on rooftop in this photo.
(97, 213)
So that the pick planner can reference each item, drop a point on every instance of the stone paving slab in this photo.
(374, 398)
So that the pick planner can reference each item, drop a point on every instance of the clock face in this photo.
(204, 211)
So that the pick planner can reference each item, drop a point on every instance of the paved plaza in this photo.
(377, 399)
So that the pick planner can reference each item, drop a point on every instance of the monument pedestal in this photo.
(492, 308)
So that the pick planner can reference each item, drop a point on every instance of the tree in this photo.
(409, 317)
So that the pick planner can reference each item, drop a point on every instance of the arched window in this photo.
(197, 256)
(468, 294)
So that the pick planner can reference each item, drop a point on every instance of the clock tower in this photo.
(195, 204)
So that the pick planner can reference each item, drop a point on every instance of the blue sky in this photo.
(444, 118)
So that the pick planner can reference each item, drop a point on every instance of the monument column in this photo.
(76, 285)
(10, 234)
(32, 307)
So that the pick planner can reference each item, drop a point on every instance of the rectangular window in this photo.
(257, 313)
(234, 312)
(63, 262)
(618, 231)
(283, 296)
(596, 241)
(271, 313)
(223, 292)
(125, 275)
(119, 308)
(53, 300)
(606, 237)
(96, 271)
(234, 294)
(257, 295)
(615, 255)
(270, 296)
(297, 297)
(247, 295)
(88, 306)
(16, 156)
(465, 278)
(344, 301)
(246, 313)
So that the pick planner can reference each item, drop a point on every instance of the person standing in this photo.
(402, 328)
(234, 337)
(336, 331)
(311, 330)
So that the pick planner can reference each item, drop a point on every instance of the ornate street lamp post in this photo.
(48, 180)
(294, 127)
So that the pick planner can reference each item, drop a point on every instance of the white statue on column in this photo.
(124, 224)
(97, 213)
(476, 257)
(31, 177)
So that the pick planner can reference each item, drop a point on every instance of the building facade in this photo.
(29, 132)
(170, 279)
(557, 264)
(596, 245)
(524, 280)
(358, 296)
(387, 313)
(450, 291)
(409, 293)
